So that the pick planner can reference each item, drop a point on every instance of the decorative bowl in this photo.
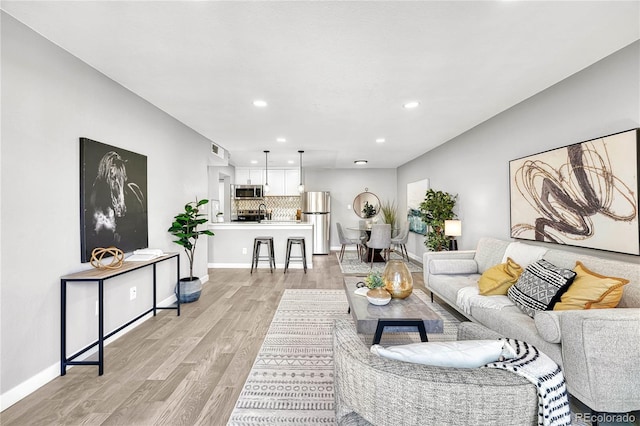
(378, 296)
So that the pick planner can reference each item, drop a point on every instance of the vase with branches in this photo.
(435, 209)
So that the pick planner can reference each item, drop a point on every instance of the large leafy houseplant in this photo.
(185, 229)
(435, 209)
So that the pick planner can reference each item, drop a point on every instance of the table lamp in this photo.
(452, 229)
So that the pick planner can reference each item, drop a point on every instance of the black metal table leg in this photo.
(178, 286)
(100, 327)
(154, 289)
(409, 322)
(63, 327)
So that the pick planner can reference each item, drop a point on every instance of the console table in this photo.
(100, 276)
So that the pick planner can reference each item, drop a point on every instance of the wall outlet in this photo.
(244, 250)
(132, 293)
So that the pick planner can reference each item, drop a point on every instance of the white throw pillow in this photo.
(459, 354)
(523, 254)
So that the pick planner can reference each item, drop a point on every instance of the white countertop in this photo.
(265, 224)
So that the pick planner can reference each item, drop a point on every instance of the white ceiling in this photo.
(335, 74)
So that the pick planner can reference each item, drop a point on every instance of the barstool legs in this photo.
(303, 252)
(268, 241)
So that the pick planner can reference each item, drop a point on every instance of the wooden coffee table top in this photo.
(366, 316)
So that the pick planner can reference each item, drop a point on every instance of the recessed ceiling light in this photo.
(412, 104)
(290, 162)
(260, 103)
(360, 162)
(381, 140)
(281, 140)
(254, 161)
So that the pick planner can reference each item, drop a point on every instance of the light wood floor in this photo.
(185, 370)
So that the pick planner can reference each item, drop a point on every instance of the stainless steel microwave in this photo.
(248, 192)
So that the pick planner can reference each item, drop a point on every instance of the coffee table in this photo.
(409, 314)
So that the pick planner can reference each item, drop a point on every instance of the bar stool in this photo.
(257, 242)
(290, 242)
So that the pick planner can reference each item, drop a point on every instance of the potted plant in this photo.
(377, 295)
(435, 209)
(389, 214)
(185, 229)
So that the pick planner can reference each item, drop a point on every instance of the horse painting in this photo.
(109, 194)
(115, 212)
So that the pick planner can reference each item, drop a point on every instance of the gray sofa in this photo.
(598, 349)
(371, 390)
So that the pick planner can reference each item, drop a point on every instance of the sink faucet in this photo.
(260, 209)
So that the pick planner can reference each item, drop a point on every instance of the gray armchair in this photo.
(370, 390)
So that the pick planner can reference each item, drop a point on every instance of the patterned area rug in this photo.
(352, 265)
(291, 381)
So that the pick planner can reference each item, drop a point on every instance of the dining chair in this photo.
(344, 241)
(401, 239)
(362, 224)
(380, 239)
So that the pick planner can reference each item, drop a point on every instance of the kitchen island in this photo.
(232, 245)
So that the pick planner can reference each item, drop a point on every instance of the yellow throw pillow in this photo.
(497, 279)
(590, 290)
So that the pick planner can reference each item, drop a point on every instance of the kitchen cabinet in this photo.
(250, 176)
(276, 182)
(291, 182)
(281, 181)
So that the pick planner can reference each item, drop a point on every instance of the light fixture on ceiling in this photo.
(411, 105)
(360, 162)
(300, 186)
(259, 103)
(381, 140)
(289, 161)
(281, 140)
(266, 172)
(254, 161)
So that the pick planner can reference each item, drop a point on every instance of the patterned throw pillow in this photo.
(540, 286)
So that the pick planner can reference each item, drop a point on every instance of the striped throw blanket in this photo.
(542, 371)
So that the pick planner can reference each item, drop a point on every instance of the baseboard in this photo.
(46, 375)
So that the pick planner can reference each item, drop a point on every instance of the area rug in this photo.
(352, 265)
(291, 381)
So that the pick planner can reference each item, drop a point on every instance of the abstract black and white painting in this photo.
(113, 198)
(583, 195)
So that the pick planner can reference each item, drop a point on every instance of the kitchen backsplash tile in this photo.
(281, 207)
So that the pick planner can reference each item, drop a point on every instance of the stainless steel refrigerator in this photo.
(316, 209)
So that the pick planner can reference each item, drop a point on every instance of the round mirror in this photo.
(366, 205)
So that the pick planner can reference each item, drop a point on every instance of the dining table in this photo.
(377, 253)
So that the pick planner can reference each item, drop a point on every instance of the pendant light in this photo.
(266, 172)
(301, 186)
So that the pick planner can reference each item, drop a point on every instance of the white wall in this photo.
(49, 100)
(345, 185)
(600, 100)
